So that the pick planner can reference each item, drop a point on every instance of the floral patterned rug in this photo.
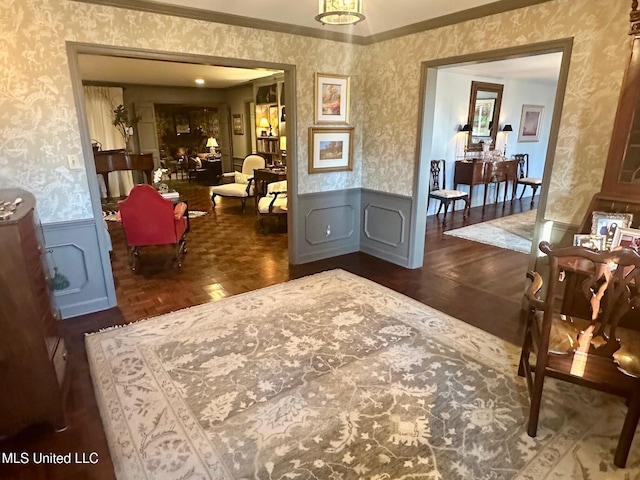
(335, 377)
(514, 232)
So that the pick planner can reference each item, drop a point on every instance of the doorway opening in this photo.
(446, 114)
(229, 149)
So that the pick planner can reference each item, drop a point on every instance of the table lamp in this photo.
(506, 129)
(264, 124)
(212, 144)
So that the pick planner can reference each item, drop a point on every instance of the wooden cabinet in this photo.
(32, 354)
(620, 192)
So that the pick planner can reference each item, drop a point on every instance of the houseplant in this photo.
(124, 124)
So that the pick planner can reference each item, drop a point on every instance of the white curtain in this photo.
(100, 103)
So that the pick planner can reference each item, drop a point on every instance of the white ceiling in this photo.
(121, 70)
(381, 15)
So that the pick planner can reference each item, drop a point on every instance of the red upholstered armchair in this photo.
(150, 219)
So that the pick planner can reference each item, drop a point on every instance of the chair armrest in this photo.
(532, 292)
(229, 174)
(179, 210)
(249, 186)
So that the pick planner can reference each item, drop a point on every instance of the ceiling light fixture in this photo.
(200, 81)
(339, 12)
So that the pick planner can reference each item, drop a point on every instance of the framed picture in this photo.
(238, 123)
(331, 99)
(607, 223)
(627, 237)
(181, 123)
(530, 122)
(330, 149)
(592, 242)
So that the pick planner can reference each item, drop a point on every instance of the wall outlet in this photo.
(74, 163)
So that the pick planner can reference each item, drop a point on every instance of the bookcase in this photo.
(270, 122)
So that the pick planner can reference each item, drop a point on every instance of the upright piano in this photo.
(115, 160)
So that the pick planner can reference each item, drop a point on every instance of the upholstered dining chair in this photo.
(274, 203)
(523, 175)
(149, 219)
(241, 185)
(589, 340)
(437, 190)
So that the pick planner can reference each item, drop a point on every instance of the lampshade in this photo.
(466, 128)
(339, 12)
(264, 123)
(507, 128)
(212, 142)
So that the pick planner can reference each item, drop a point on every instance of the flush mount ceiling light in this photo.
(339, 12)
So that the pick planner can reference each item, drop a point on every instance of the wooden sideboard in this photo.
(32, 353)
(477, 171)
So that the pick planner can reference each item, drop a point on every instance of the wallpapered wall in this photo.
(600, 53)
(39, 125)
(38, 119)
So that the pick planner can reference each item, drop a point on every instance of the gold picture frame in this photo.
(237, 121)
(330, 149)
(332, 98)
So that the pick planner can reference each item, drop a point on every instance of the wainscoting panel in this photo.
(330, 224)
(75, 265)
(386, 222)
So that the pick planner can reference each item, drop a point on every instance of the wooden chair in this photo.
(599, 350)
(149, 219)
(242, 185)
(523, 175)
(438, 191)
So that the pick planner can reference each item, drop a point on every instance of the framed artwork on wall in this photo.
(331, 98)
(238, 124)
(530, 123)
(181, 123)
(330, 149)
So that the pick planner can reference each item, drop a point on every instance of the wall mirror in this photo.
(484, 114)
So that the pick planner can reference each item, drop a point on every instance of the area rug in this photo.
(335, 377)
(514, 232)
(110, 215)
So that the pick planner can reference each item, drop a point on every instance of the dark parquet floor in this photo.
(227, 255)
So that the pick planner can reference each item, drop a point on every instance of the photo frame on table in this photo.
(330, 149)
(530, 123)
(332, 98)
(607, 223)
(238, 123)
(627, 237)
(592, 242)
(181, 124)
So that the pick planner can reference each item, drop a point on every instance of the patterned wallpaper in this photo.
(600, 54)
(39, 123)
(38, 119)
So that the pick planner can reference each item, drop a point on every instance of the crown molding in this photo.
(493, 8)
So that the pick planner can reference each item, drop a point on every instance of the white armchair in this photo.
(274, 203)
(242, 185)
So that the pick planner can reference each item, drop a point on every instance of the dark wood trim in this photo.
(493, 8)
(627, 105)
